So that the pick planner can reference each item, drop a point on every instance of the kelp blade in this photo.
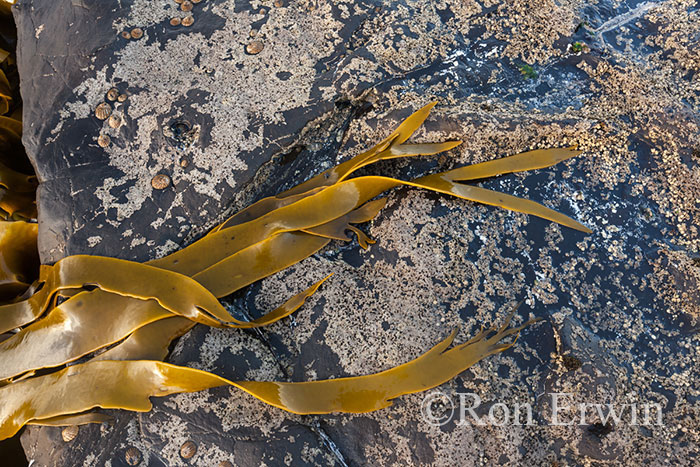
(335, 229)
(19, 258)
(16, 181)
(17, 206)
(175, 292)
(93, 320)
(269, 204)
(149, 342)
(385, 149)
(129, 384)
(262, 207)
(14, 315)
(83, 324)
(343, 170)
(262, 259)
(327, 205)
(70, 420)
(530, 160)
(496, 198)
(324, 206)
(288, 307)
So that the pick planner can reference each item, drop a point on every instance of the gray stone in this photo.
(621, 305)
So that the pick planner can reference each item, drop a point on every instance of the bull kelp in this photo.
(119, 317)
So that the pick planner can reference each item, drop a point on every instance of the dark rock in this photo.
(328, 83)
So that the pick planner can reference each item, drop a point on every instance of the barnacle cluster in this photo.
(94, 331)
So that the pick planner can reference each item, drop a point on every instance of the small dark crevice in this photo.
(310, 421)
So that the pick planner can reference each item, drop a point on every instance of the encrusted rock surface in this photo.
(621, 306)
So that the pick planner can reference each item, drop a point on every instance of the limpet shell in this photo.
(254, 47)
(126, 35)
(196, 1)
(122, 97)
(186, 6)
(132, 456)
(136, 33)
(279, 3)
(187, 21)
(175, 21)
(69, 433)
(184, 162)
(112, 94)
(114, 121)
(160, 182)
(103, 141)
(103, 110)
(225, 464)
(188, 450)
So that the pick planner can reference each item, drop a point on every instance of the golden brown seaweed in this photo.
(129, 384)
(530, 160)
(17, 206)
(19, 259)
(174, 292)
(183, 296)
(149, 342)
(83, 324)
(336, 228)
(261, 259)
(16, 181)
(70, 420)
(388, 148)
(329, 204)
(5, 94)
(92, 320)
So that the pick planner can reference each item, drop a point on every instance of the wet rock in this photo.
(329, 82)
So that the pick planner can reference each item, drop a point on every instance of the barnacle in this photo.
(91, 307)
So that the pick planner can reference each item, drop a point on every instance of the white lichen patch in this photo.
(94, 240)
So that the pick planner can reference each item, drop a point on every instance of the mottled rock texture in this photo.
(621, 306)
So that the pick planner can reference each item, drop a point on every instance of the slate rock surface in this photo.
(621, 306)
